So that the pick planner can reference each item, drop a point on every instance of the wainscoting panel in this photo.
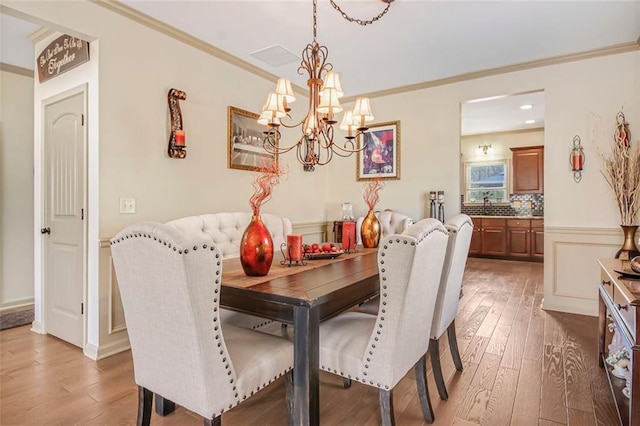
(312, 232)
(116, 311)
(113, 330)
(571, 271)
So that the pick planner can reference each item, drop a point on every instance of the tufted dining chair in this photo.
(460, 229)
(379, 350)
(170, 289)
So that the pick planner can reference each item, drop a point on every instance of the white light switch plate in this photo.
(127, 205)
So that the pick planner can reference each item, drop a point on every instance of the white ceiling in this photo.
(417, 41)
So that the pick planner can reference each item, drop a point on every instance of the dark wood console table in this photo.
(619, 301)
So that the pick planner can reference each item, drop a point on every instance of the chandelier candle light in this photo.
(315, 145)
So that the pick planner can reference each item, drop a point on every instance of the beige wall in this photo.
(16, 189)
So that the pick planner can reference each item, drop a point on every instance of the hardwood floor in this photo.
(522, 366)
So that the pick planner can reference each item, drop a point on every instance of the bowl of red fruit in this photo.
(321, 250)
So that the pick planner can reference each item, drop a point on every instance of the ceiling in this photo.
(417, 41)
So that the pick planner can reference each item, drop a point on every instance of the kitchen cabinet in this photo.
(507, 238)
(525, 238)
(537, 238)
(528, 170)
(519, 237)
(489, 237)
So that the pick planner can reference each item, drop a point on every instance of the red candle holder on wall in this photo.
(576, 159)
(177, 147)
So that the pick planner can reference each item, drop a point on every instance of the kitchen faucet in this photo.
(486, 201)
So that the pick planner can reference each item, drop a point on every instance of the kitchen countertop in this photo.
(506, 217)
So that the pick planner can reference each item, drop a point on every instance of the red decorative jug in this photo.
(256, 249)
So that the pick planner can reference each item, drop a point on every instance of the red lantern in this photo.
(576, 159)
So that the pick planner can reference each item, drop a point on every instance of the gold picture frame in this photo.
(380, 159)
(244, 141)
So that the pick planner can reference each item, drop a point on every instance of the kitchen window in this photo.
(486, 179)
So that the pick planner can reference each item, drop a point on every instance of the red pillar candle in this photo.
(577, 162)
(179, 137)
(294, 247)
(348, 235)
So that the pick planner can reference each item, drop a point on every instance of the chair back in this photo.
(170, 290)
(410, 265)
(460, 229)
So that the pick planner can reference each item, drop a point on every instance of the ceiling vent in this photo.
(275, 56)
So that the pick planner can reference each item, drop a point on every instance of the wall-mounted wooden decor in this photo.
(177, 147)
(62, 54)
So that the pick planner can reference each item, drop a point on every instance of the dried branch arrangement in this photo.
(622, 172)
(266, 179)
(371, 192)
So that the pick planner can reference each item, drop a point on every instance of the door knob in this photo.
(46, 230)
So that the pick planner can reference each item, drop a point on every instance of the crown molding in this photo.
(605, 51)
(129, 12)
(40, 34)
(16, 70)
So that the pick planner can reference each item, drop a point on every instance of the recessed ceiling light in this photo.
(530, 121)
(526, 106)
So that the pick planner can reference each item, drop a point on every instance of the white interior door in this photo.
(63, 227)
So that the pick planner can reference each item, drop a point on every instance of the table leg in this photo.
(306, 383)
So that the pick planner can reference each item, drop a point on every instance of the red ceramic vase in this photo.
(256, 249)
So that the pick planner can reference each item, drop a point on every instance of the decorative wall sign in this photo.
(62, 54)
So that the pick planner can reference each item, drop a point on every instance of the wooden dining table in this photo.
(302, 295)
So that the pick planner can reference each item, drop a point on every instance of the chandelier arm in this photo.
(271, 145)
(361, 21)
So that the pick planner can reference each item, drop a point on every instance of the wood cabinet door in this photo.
(537, 242)
(518, 242)
(528, 170)
(476, 238)
(494, 241)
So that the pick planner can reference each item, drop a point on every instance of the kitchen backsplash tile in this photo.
(520, 205)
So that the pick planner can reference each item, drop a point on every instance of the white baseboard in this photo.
(37, 327)
(576, 306)
(20, 303)
(104, 351)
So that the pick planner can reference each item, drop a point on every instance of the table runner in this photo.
(233, 275)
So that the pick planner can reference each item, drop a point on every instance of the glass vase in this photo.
(370, 230)
(256, 248)
(629, 250)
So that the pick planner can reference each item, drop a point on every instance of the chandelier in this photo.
(316, 145)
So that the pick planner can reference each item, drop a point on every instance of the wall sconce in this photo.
(577, 159)
(177, 147)
(485, 149)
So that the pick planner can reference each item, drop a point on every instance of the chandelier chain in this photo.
(356, 20)
(315, 20)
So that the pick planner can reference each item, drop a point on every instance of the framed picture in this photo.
(245, 150)
(380, 157)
